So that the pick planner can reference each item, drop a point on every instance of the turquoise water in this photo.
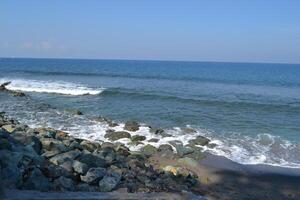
(251, 110)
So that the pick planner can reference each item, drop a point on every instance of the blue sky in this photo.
(243, 31)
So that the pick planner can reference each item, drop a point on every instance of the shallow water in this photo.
(252, 111)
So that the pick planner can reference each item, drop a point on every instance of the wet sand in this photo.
(221, 178)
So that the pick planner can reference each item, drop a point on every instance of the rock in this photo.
(67, 165)
(60, 135)
(211, 145)
(64, 184)
(60, 158)
(92, 161)
(109, 182)
(90, 146)
(160, 132)
(47, 133)
(131, 126)
(9, 128)
(51, 144)
(79, 167)
(94, 175)
(180, 149)
(17, 93)
(28, 140)
(189, 130)
(153, 140)
(122, 150)
(199, 140)
(113, 136)
(3, 85)
(37, 181)
(149, 150)
(84, 187)
(135, 143)
(54, 171)
(165, 148)
(137, 138)
(5, 144)
(178, 171)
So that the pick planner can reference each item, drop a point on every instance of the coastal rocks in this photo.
(61, 158)
(94, 175)
(131, 126)
(13, 93)
(137, 138)
(149, 150)
(64, 184)
(160, 132)
(79, 167)
(92, 160)
(109, 182)
(178, 171)
(113, 136)
(9, 128)
(154, 140)
(106, 120)
(90, 146)
(199, 140)
(180, 149)
(37, 181)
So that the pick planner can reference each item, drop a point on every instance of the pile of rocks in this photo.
(50, 160)
(13, 93)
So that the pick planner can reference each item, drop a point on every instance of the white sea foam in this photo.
(58, 87)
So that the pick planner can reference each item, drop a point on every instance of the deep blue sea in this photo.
(250, 110)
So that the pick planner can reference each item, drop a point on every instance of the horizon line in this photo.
(153, 60)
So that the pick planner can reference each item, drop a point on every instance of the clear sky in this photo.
(212, 30)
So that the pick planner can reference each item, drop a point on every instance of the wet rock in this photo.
(137, 138)
(37, 181)
(46, 132)
(199, 140)
(92, 161)
(153, 140)
(135, 143)
(94, 175)
(149, 150)
(160, 132)
(54, 171)
(67, 165)
(211, 145)
(64, 184)
(9, 128)
(180, 149)
(106, 120)
(189, 130)
(113, 136)
(28, 140)
(165, 148)
(17, 93)
(79, 167)
(131, 126)
(109, 182)
(60, 158)
(122, 150)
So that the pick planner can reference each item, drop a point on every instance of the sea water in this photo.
(250, 110)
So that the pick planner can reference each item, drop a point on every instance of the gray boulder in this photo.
(64, 184)
(92, 160)
(79, 167)
(131, 126)
(94, 175)
(113, 136)
(199, 140)
(109, 182)
(60, 158)
(37, 181)
(149, 150)
(137, 138)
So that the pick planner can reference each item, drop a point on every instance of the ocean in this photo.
(251, 111)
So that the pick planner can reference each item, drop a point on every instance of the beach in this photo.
(120, 131)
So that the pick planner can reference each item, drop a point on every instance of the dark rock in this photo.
(5, 144)
(160, 132)
(131, 126)
(67, 165)
(113, 136)
(92, 161)
(79, 167)
(64, 184)
(199, 140)
(149, 150)
(180, 149)
(94, 175)
(60, 158)
(153, 140)
(37, 181)
(17, 93)
(84, 187)
(165, 148)
(90, 146)
(109, 182)
(189, 130)
(137, 138)
(47, 132)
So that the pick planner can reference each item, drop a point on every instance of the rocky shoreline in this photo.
(45, 159)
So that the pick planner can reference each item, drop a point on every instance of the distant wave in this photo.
(153, 77)
(264, 104)
(59, 87)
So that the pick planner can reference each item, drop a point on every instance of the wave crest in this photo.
(57, 87)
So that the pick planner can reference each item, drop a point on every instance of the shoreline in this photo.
(217, 177)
